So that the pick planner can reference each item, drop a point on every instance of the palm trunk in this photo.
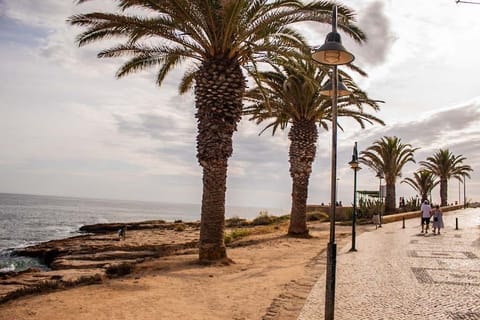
(443, 192)
(212, 246)
(424, 196)
(219, 89)
(390, 197)
(303, 136)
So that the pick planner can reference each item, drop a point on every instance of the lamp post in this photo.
(464, 193)
(354, 165)
(332, 53)
(336, 192)
(459, 199)
(380, 176)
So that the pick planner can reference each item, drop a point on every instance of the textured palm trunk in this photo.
(443, 192)
(424, 196)
(303, 136)
(390, 197)
(219, 89)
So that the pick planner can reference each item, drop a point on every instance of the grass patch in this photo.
(264, 219)
(180, 227)
(236, 222)
(236, 234)
(317, 216)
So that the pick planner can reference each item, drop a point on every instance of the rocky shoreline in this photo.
(98, 254)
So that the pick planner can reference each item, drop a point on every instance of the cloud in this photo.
(440, 128)
(376, 25)
(49, 14)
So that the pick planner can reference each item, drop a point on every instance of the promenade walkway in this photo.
(403, 274)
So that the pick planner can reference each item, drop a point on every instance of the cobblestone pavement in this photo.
(403, 274)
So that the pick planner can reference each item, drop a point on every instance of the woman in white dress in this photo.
(437, 219)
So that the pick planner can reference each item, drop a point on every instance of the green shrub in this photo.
(348, 213)
(180, 227)
(317, 216)
(236, 222)
(285, 217)
(413, 204)
(367, 208)
(263, 219)
(236, 234)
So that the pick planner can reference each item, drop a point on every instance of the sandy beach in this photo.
(270, 278)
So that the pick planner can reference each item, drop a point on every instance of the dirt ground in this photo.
(270, 278)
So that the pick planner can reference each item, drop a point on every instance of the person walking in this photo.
(437, 219)
(426, 211)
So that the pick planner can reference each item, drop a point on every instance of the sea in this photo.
(29, 219)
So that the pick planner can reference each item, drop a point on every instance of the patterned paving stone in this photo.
(447, 276)
(403, 274)
(441, 254)
(465, 315)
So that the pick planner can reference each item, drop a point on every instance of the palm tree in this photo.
(388, 155)
(423, 182)
(294, 95)
(218, 38)
(446, 165)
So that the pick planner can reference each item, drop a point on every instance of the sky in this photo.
(68, 127)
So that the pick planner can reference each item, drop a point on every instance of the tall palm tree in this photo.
(423, 182)
(446, 165)
(388, 155)
(218, 38)
(294, 95)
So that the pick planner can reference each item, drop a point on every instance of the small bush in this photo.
(366, 208)
(263, 219)
(317, 216)
(236, 234)
(180, 227)
(285, 217)
(235, 222)
(348, 214)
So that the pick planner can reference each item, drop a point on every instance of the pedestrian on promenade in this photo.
(426, 210)
(437, 219)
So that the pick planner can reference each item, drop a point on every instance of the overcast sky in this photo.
(68, 127)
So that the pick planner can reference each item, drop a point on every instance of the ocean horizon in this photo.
(29, 219)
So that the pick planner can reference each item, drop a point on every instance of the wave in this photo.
(10, 262)
(9, 268)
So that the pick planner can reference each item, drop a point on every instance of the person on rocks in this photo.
(121, 233)
(426, 211)
(437, 219)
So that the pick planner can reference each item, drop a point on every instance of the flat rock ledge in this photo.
(98, 255)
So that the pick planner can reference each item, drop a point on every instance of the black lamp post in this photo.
(380, 176)
(332, 53)
(459, 199)
(464, 193)
(354, 165)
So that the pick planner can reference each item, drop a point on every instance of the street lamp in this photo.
(380, 176)
(332, 53)
(464, 193)
(354, 165)
(327, 88)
